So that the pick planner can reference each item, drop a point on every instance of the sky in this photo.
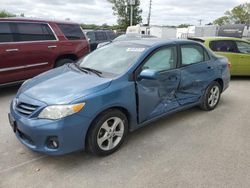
(164, 12)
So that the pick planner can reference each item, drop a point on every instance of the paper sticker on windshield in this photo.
(135, 49)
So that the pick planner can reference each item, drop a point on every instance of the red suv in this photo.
(30, 47)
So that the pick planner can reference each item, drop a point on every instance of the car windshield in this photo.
(114, 59)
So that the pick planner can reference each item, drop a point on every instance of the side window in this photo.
(5, 32)
(223, 46)
(33, 32)
(72, 32)
(47, 32)
(243, 47)
(191, 54)
(163, 59)
(100, 36)
(91, 36)
(111, 35)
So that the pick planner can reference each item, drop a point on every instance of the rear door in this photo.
(197, 71)
(244, 58)
(30, 52)
(7, 53)
(156, 97)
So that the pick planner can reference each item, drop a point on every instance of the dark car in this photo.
(127, 37)
(118, 88)
(98, 36)
(29, 47)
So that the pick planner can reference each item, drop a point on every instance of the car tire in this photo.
(107, 132)
(62, 62)
(211, 96)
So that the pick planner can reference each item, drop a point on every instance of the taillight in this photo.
(229, 65)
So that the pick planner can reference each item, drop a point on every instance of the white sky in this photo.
(164, 12)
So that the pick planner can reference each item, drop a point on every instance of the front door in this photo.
(244, 58)
(158, 96)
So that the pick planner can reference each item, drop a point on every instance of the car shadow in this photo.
(241, 78)
(8, 90)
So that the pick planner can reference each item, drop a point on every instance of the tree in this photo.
(221, 21)
(4, 14)
(183, 25)
(122, 10)
(238, 15)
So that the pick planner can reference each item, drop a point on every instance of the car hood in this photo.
(63, 85)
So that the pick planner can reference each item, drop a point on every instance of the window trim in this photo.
(36, 41)
(194, 44)
(138, 69)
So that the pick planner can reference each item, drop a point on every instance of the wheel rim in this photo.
(214, 96)
(110, 133)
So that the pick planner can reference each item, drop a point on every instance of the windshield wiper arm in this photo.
(98, 73)
(87, 70)
(79, 68)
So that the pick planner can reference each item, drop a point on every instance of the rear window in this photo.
(223, 46)
(72, 32)
(32, 32)
(192, 53)
(5, 32)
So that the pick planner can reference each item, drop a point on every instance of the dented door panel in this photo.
(194, 80)
(156, 97)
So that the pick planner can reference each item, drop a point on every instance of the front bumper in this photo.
(34, 133)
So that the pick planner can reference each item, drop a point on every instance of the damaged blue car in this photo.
(93, 104)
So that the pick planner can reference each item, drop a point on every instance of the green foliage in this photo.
(4, 14)
(238, 15)
(221, 21)
(122, 10)
(183, 25)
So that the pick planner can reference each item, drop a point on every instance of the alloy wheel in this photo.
(110, 133)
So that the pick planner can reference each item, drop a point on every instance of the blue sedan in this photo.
(118, 88)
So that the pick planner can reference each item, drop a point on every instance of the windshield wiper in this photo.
(87, 70)
(79, 68)
(98, 73)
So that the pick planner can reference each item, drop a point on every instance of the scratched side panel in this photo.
(194, 80)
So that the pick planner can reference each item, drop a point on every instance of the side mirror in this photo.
(148, 74)
(89, 40)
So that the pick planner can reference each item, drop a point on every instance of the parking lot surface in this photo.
(192, 148)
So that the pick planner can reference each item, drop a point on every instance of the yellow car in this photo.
(236, 50)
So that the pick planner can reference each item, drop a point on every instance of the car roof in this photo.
(149, 42)
(214, 38)
(22, 19)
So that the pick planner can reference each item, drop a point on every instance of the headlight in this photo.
(60, 111)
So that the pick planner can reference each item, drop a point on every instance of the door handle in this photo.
(12, 50)
(209, 67)
(172, 78)
(50, 47)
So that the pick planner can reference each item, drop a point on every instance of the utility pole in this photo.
(200, 21)
(131, 3)
(149, 13)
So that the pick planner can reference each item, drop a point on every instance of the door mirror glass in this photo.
(148, 74)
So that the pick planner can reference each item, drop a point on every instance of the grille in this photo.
(26, 109)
